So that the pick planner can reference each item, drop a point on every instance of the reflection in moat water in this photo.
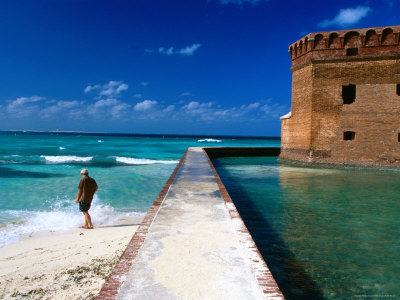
(324, 233)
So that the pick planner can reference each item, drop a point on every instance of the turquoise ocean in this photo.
(39, 175)
(324, 233)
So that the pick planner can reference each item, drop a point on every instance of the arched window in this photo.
(295, 50)
(305, 44)
(388, 37)
(301, 47)
(352, 40)
(319, 42)
(334, 41)
(291, 52)
(371, 39)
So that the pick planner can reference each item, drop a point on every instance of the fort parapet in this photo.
(345, 98)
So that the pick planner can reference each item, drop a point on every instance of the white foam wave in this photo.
(60, 219)
(61, 148)
(143, 161)
(210, 140)
(100, 141)
(69, 158)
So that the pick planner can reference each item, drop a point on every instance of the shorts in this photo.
(83, 207)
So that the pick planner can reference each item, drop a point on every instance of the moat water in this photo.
(324, 233)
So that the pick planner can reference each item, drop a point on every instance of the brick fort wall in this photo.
(345, 98)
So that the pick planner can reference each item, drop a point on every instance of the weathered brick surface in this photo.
(314, 132)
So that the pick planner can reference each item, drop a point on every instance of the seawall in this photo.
(193, 244)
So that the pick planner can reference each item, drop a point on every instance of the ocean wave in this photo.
(61, 218)
(143, 161)
(210, 141)
(61, 148)
(69, 158)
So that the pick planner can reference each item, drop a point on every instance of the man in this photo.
(87, 188)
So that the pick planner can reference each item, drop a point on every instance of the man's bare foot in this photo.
(84, 227)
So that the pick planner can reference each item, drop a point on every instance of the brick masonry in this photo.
(324, 62)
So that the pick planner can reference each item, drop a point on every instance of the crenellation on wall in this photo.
(353, 43)
(324, 106)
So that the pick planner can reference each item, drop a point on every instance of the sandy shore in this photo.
(63, 264)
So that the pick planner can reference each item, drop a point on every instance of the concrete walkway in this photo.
(193, 248)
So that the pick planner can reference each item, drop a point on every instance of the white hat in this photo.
(84, 171)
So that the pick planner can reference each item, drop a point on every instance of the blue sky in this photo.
(157, 66)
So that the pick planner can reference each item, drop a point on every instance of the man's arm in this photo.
(78, 196)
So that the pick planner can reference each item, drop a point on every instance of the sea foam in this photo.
(61, 218)
(69, 158)
(143, 161)
(210, 141)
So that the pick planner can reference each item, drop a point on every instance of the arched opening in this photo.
(319, 42)
(334, 41)
(352, 40)
(295, 50)
(301, 48)
(291, 52)
(305, 44)
(371, 38)
(388, 37)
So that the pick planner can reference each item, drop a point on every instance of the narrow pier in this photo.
(192, 244)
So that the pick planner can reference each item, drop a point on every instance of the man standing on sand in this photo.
(87, 188)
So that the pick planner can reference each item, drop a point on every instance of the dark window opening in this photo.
(348, 93)
(349, 135)
(398, 137)
(398, 90)
(352, 51)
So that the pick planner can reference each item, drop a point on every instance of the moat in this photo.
(324, 233)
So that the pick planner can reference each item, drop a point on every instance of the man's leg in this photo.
(88, 220)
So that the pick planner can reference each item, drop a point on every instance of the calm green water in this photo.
(39, 175)
(324, 233)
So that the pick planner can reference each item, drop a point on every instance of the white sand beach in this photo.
(69, 264)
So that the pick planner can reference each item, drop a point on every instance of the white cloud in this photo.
(61, 107)
(117, 111)
(240, 2)
(106, 103)
(111, 107)
(138, 96)
(110, 89)
(347, 16)
(145, 105)
(185, 51)
(169, 109)
(23, 106)
(186, 94)
(188, 50)
(165, 51)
